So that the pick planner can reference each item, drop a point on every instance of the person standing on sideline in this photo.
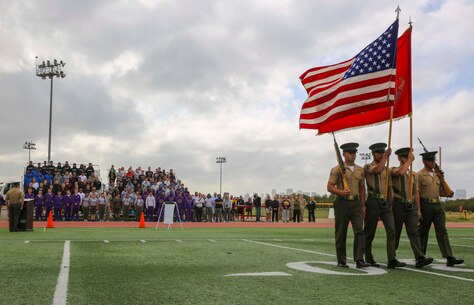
(297, 209)
(76, 205)
(227, 207)
(311, 206)
(39, 205)
(432, 209)
(257, 201)
(150, 205)
(14, 199)
(68, 202)
(405, 210)
(117, 206)
(85, 207)
(209, 207)
(102, 202)
(349, 205)
(378, 206)
(218, 207)
(58, 206)
(285, 204)
(275, 208)
(268, 208)
(49, 201)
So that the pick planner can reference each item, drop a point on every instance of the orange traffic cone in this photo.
(50, 223)
(142, 221)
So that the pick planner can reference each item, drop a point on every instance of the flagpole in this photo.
(411, 151)
(391, 117)
(411, 129)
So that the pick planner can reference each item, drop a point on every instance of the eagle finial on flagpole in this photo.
(409, 22)
(398, 10)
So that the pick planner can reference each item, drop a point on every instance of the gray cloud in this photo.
(176, 83)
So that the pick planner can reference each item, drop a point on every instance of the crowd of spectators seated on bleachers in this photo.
(75, 193)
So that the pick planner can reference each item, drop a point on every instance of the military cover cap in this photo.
(378, 147)
(430, 156)
(349, 147)
(403, 151)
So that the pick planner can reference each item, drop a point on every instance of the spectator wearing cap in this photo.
(432, 209)
(349, 205)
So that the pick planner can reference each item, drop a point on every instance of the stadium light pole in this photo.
(365, 156)
(48, 69)
(30, 146)
(220, 160)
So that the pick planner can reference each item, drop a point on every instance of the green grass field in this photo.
(189, 266)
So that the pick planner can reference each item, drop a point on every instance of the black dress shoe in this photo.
(395, 264)
(373, 264)
(423, 261)
(453, 261)
(342, 265)
(362, 264)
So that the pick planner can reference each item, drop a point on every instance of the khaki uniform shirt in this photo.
(14, 196)
(397, 187)
(355, 178)
(382, 177)
(429, 186)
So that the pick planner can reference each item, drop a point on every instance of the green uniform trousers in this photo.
(14, 216)
(434, 213)
(345, 211)
(373, 211)
(402, 215)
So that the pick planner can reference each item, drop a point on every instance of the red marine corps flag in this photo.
(357, 92)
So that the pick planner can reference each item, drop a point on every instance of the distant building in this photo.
(460, 194)
(299, 192)
(289, 191)
(307, 194)
(274, 191)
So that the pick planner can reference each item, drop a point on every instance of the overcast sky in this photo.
(176, 83)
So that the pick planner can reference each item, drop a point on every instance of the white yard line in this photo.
(60, 294)
(212, 240)
(142, 240)
(106, 241)
(27, 241)
(435, 243)
(321, 253)
(289, 248)
(178, 240)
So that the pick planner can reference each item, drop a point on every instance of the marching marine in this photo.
(405, 210)
(377, 206)
(431, 188)
(346, 181)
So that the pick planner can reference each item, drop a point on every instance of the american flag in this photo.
(364, 82)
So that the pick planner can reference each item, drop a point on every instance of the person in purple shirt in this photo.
(58, 206)
(188, 207)
(49, 201)
(159, 206)
(180, 202)
(76, 205)
(39, 205)
(68, 201)
(29, 194)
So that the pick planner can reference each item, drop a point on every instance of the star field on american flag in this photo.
(377, 56)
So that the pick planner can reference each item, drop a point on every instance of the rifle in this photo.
(342, 168)
(449, 192)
